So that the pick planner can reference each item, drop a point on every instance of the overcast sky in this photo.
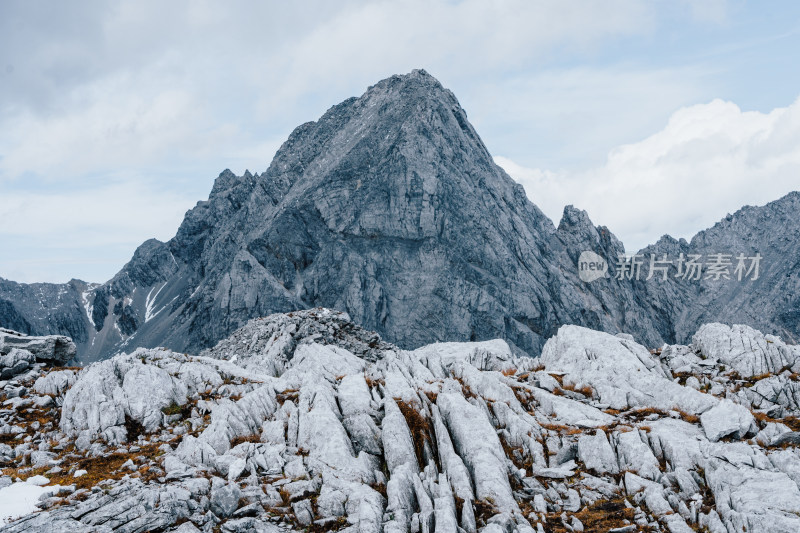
(654, 116)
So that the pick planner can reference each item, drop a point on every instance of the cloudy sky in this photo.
(654, 116)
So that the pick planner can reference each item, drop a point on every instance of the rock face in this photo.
(44, 308)
(53, 349)
(18, 352)
(306, 421)
(391, 209)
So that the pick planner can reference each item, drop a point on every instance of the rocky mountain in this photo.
(390, 208)
(771, 302)
(306, 422)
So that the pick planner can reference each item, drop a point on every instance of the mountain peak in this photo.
(417, 78)
(417, 94)
(574, 219)
(390, 208)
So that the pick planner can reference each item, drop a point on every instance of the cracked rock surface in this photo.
(304, 421)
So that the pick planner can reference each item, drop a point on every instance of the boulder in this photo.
(728, 419)
(50, 349)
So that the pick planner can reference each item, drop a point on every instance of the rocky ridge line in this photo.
(390, 208)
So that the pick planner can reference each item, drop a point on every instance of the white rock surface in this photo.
(596, 453)
(745, 349)
(283, 426)
(727, 419)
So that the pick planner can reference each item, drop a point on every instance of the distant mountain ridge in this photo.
(390, 208)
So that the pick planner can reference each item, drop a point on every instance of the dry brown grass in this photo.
(792, 422)
(762, 418)
(248, 438)
(608, 428)
(9, 439)
(560, 428)
(605, 514)
(459, 506)
(333, 524)
(688, 417)
(380, 488)
(374, 383)
(585, 390)
(287, 395)
(639, 415)
(285, 496)
(484, 510)
(466, 390)
(600, 516)
(708, 497)
(745, 382)
(421, 431)
(523, 397)
(516, 454)
(509, 372)
(26, 417)
(98, 469)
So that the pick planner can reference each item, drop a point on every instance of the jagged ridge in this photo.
(390, 208)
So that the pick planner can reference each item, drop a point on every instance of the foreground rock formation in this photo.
(19, 352)
(304, 421)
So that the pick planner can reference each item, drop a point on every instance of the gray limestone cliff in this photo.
(391, 209)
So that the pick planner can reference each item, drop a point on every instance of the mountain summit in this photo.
(390, 208)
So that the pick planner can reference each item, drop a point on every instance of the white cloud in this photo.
(96, 97)
(124, 122)
(716, 11)
(96, 229)
(709, 160)
(454, 39)
(148, 82)
(571, 117)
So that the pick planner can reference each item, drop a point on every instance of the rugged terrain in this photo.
(305, 421)
(390, 208)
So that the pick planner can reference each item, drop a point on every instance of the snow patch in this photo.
(19, 499)
(88, 307)
(150, 303)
